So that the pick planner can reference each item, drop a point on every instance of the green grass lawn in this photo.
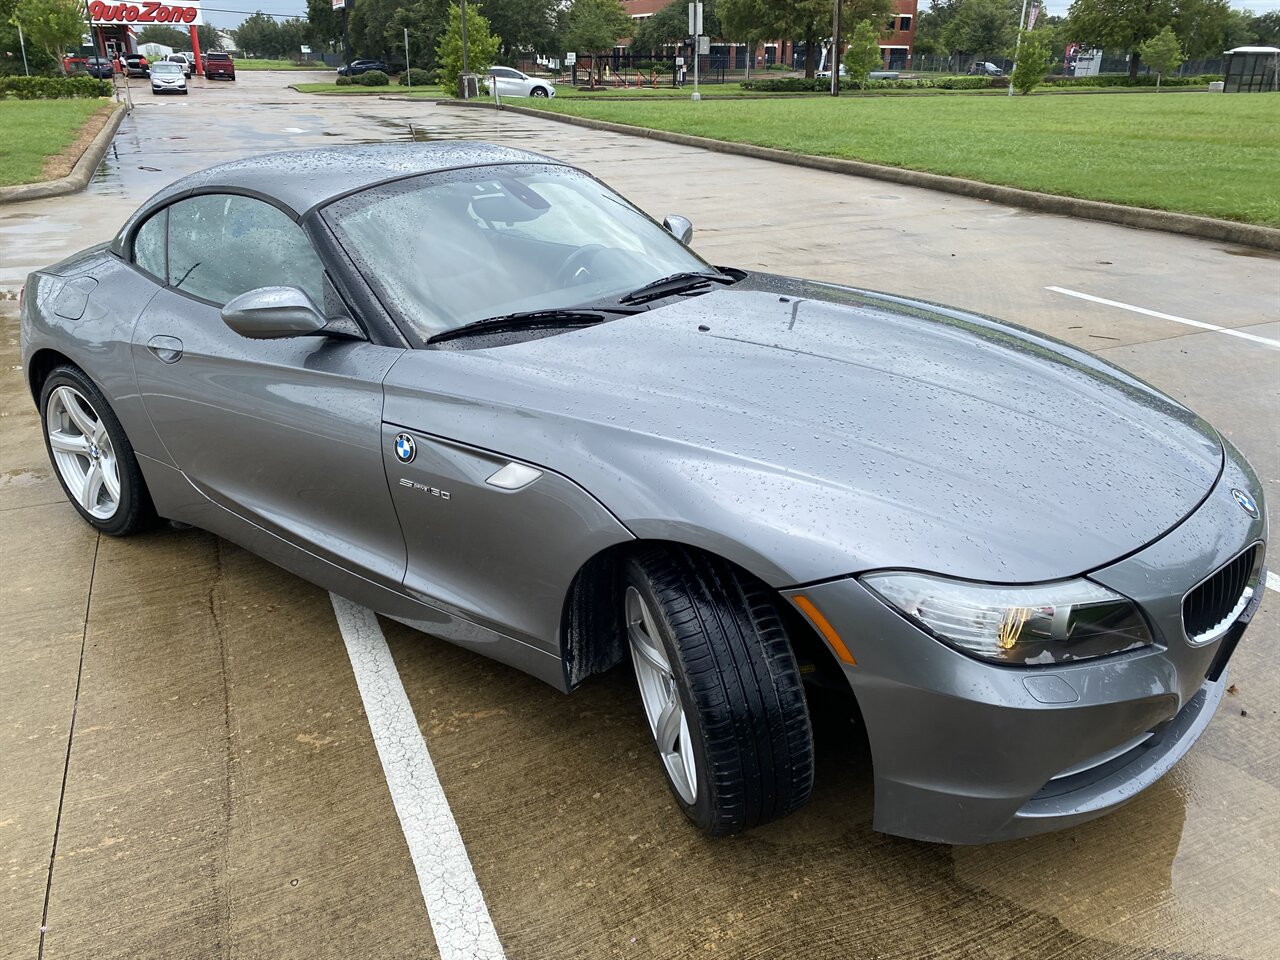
(278, 65)
(1211, 154)
(36, 129)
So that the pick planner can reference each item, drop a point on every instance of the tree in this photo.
(1035, 54)
(984, 28)
(863, 54)
(1163, 53)
(482, 46)
(326, 23)
(1265, 28)
(210, 37)
(165, 36)
(670, 25)
(807, 20)
(523, 25)
(1119, 24)
(51, 25)
(594, 26)
(259, 36)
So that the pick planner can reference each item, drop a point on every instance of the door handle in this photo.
(168, 349)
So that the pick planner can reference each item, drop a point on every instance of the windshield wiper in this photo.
(525, 318)
(676, 283)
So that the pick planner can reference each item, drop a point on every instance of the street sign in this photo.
(704, 45)
(679, 61)
(571, 58)
(304, 48)
(695, 18)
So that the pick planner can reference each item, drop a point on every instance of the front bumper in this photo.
(966, 751)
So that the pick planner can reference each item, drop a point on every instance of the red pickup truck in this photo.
(218, 65)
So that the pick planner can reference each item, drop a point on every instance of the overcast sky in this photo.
(214, 9)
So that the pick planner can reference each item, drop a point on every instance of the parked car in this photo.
(357, 67)
(99, 67)
(183, 60)
(218, 65)
(167, 77)
(983, 68)
(513, 83)
(135, 65)
(545, 429)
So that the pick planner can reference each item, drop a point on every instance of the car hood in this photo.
(810, 431)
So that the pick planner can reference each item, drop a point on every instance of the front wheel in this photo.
(720, 688)
(538, 92)
(92, 456)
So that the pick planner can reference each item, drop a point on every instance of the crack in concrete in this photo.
(66, 764)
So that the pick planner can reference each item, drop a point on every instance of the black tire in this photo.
(538, 92)
(134, 511)
(738, 684)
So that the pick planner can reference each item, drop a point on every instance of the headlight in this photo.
(1048, 623)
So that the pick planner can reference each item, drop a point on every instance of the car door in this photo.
(508, 82)
(284, 433)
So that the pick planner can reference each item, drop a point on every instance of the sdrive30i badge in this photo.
(405, 448)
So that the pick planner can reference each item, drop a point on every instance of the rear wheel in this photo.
(91, 455)
(721, 689)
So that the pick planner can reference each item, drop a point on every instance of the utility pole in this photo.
(346, 32)
(408, 67)
(835, 49)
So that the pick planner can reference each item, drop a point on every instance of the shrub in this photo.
(967, 83)
(344, 81)
(420, 78)
(787, 84)
(1124, 80)
(53, 88)
(373, 78)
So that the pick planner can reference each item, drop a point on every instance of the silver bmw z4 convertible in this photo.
(476, 390)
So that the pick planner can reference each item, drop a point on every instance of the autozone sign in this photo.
(146, 11)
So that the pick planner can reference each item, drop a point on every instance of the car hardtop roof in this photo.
(299, 180)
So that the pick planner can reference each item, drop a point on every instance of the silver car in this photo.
(168, 77)
(478, 391)
(509, 82)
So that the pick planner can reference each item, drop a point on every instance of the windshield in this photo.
(446, 249)
(166, 68)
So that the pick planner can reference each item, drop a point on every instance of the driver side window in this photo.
(223, 245)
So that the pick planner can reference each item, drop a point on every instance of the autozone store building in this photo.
(116, 25)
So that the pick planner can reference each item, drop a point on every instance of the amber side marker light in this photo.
(825, 628)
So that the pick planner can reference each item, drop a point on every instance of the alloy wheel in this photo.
(661, 697)
(83, 452)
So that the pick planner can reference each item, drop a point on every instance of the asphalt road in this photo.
(188, 767)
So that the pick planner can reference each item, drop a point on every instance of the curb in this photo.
(1205, 228)
(80, 174)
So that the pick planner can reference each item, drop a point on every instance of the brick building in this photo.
(896, 43)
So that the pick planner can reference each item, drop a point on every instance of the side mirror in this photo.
(269, 313)
(680, 227)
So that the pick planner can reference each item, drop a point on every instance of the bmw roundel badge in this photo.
(1247, 503)
(405, 448)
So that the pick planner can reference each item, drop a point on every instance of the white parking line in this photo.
(1265, 341)
(1273, 581)
(459, 918)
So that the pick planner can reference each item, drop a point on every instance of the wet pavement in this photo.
(186, 769)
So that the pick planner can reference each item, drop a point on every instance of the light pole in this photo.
(23, 44)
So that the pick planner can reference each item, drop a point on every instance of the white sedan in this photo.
(512, 83)
(167, 77)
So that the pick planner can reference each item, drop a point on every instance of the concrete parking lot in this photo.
(189, 767)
